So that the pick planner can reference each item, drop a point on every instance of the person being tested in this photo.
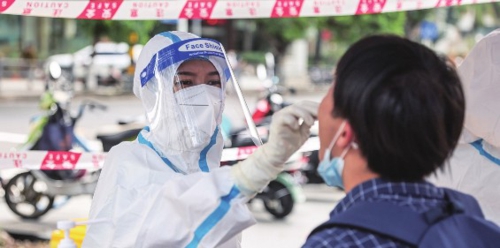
(392, 117)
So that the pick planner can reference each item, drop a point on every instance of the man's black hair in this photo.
(405, 105)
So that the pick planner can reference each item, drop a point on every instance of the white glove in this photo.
(286, 135)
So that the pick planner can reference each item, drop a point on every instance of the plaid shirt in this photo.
(418, 196)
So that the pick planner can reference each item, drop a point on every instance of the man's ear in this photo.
(347, 136)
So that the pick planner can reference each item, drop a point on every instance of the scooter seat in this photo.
(110, 140)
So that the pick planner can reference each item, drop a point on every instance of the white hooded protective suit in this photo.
(475, 165)
(166, 188)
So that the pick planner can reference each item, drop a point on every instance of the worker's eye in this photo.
(183, 83)
(215, 83)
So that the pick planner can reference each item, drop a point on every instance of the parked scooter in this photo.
(31, 194)
(272, 100)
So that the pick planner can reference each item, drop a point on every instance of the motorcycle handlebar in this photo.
(280, 89)
(97, 105)
(92, 105)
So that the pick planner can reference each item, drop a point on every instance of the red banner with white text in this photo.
(214, 9)
(61, 160)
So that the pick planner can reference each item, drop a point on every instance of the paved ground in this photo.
(268, 233)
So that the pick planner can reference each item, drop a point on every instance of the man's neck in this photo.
(356, 171)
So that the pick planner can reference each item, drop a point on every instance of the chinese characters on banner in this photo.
(16, 158)
(247, 8)
(370, 6)
(98, 160)
(447, 3)
(197, 9)
(5, 4)
(54, 7)
(244, 152)
(97, 9)
(329, 6)
(214, 9)
(51, 160)
(141, 8)
(286, 8)
(60, 160)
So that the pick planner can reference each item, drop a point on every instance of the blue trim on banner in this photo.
(203, 155)
(146, 142)
(478, 144)
(180, 51)
(214, 218)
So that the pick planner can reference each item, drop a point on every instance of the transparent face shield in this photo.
(246, 112)
(183, 92)
(198, 91)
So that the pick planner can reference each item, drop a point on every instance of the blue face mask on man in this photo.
(331, 169)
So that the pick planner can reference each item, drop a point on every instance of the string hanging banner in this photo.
(214, 9)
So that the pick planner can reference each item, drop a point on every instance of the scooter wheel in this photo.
(278, 200)
(24, 199)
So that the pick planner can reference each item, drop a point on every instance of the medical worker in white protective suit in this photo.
(166, 189)
(474, 167)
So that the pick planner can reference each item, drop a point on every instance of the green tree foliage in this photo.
(117, 30)
(278, 33)
(480, 12)
(350, 28)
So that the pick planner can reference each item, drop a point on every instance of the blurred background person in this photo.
(474, 167)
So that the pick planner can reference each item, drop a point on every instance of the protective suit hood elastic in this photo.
(185, 135)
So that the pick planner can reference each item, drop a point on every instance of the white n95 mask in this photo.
(200, 109)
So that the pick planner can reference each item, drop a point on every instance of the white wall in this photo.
(294, 65)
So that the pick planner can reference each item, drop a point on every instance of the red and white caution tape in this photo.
(214, 9)
(59, 160)
(234, 154)
(50, 160)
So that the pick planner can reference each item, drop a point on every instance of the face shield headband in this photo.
(182, 51)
